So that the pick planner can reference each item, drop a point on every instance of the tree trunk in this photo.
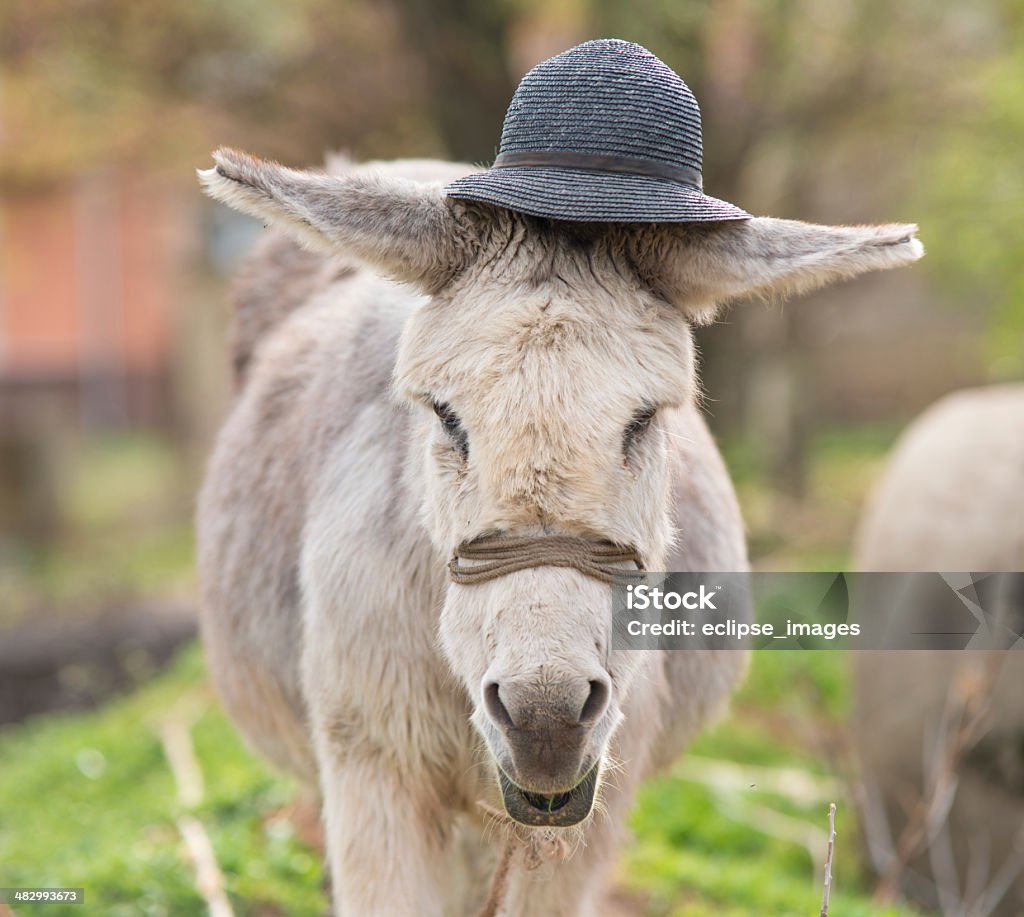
(464, 48)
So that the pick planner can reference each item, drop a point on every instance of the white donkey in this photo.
(428, 374)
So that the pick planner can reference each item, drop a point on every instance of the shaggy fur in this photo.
(335, 496)
(952, 500)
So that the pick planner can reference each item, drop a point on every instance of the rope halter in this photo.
(498, 555)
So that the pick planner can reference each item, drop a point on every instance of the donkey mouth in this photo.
(559, 810)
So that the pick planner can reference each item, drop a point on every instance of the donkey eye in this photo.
(449, 419)
(637, 427)
(451, 425)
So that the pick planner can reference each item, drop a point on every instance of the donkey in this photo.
(426, 373)
(951, 498)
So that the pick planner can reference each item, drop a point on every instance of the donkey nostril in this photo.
(498, 711)
(596, 703)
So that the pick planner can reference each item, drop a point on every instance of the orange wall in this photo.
(38, 312)
(86, 279)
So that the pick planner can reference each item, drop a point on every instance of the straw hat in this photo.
(604, 131)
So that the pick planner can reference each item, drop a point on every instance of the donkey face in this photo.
(546, 370)
(544, 364)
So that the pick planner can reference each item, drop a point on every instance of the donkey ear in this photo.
(403, 228)
(700, 266)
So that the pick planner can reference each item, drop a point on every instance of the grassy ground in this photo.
(738, 828)
(91, 801)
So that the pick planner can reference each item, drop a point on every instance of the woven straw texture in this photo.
(605, 97)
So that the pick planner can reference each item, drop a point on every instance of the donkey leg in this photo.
(386, 841)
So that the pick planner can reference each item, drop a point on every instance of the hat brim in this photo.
(585, 195)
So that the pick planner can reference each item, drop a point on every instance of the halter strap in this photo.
(499, 555)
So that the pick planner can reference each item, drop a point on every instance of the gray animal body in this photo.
(951, 500)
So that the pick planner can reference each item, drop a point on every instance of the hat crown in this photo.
(604, 132)
(605, 97)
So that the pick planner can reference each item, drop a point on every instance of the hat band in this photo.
(560, 159)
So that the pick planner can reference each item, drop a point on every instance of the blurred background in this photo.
(114, 377)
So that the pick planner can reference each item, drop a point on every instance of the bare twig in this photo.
(943, 867)
(188, 778)
(979, 866)
(875, 824)
(828, 859)
(1000, 884)
(209, 880)
(964, 721)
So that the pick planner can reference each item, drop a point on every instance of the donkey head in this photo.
(546, 363)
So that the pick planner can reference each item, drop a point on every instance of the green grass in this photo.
(90, 801)
(701, 849)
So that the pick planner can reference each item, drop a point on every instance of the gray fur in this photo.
(951, 499)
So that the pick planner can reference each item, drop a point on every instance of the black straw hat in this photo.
(604, 131)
